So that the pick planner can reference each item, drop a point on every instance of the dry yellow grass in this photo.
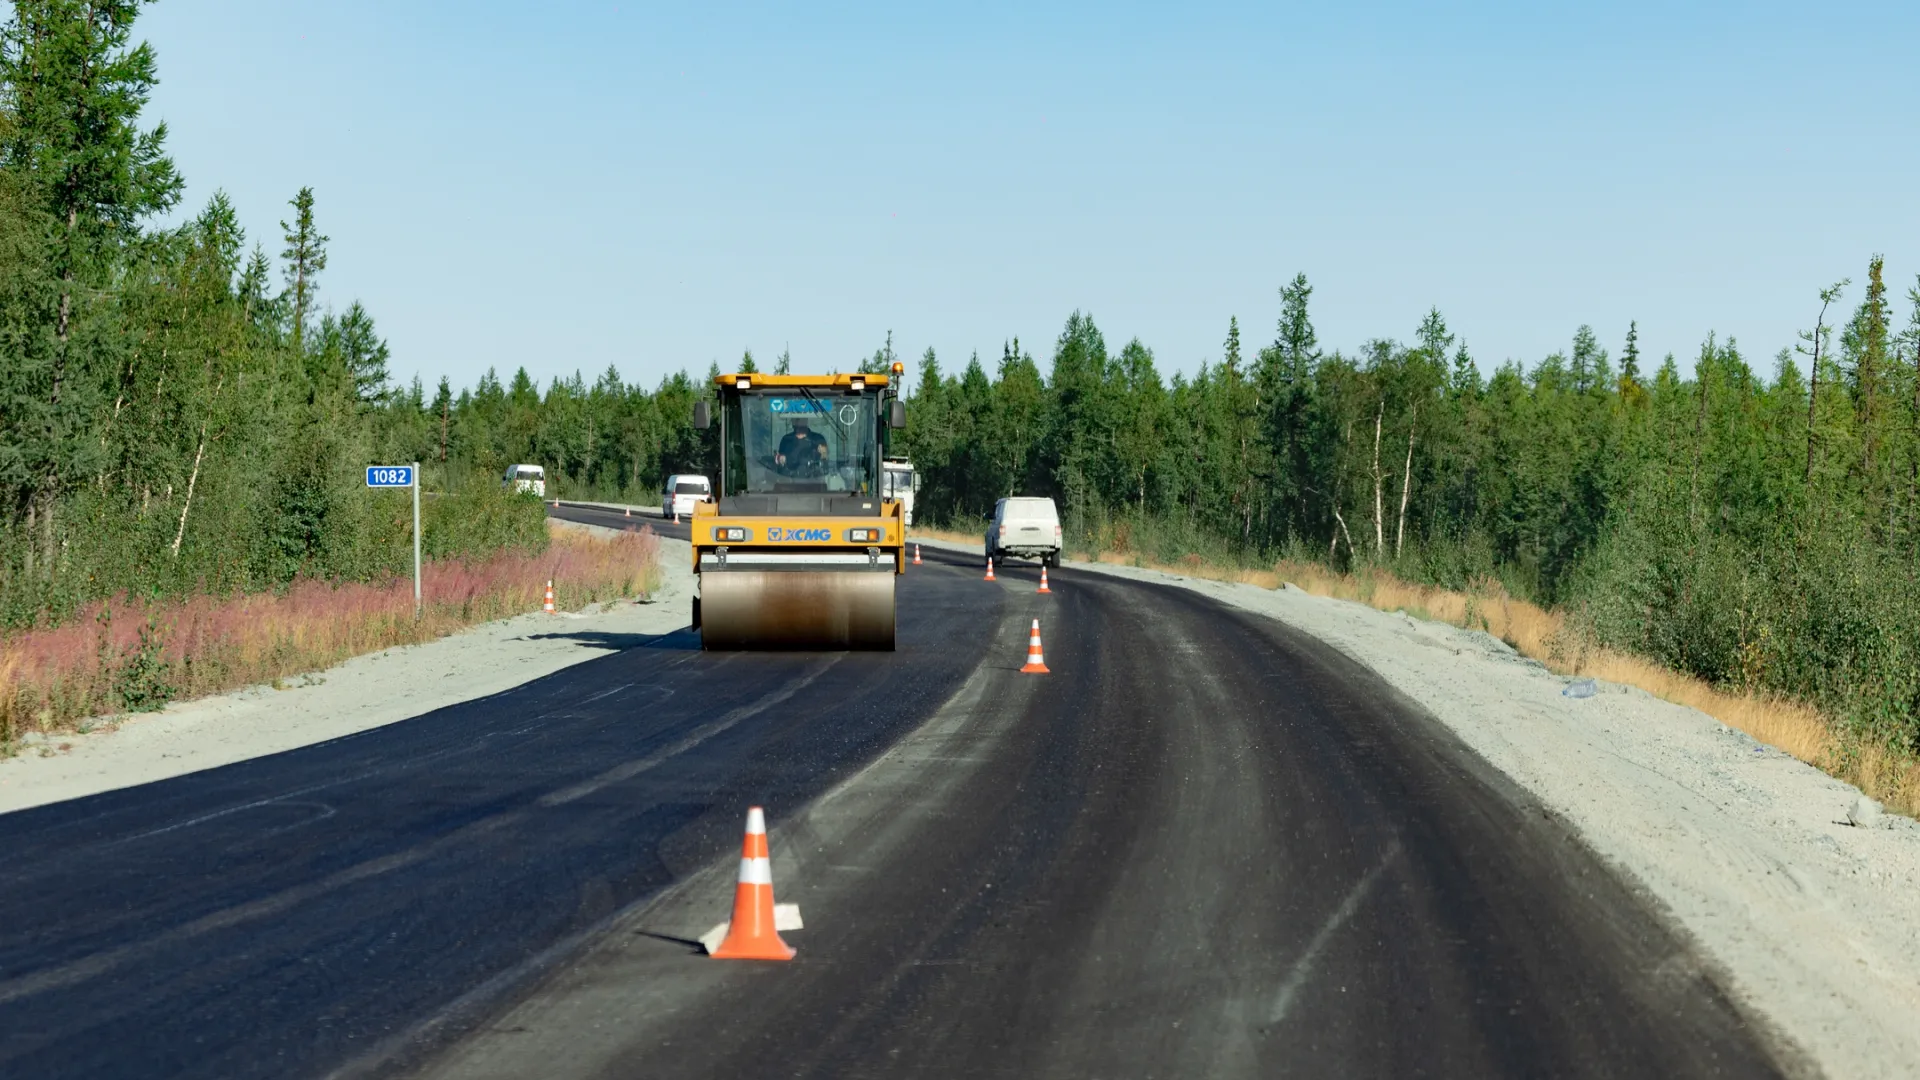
(1543, 635)
(951, 536)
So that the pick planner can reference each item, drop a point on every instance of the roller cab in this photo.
(801, 548)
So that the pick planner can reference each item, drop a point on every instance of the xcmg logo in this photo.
(776, 534)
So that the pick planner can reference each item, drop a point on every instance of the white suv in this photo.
(1025, 528)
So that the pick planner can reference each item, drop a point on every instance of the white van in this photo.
(525, 478)
(683, 490)
(1025, 528)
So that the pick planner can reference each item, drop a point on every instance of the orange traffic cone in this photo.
(1036, 663)
(752, 934)
(628, 512)
(1043, 579)
(916, 554)
(676, 513)
(989, 569)
(548, 606)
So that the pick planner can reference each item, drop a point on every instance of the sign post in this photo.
(403, 476)
(416, 540)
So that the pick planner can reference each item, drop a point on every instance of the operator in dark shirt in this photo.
(800, 448)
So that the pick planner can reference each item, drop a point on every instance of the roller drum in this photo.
(796, 609)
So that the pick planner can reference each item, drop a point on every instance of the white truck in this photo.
(899, 481)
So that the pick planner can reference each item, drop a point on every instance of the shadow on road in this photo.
(683, 639)
(690, 945)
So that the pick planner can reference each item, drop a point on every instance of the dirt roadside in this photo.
(365, 692)
(1815, 919)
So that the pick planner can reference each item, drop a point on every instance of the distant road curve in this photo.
(609, 517)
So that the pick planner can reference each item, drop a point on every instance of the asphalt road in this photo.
(1205, 845)
(282, 916)
(589, 514)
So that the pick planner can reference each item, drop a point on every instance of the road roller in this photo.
(800, 549)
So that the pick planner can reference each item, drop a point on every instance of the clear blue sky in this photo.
(568, 185)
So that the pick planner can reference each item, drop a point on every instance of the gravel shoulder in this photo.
(365, 692)
(1815, 920)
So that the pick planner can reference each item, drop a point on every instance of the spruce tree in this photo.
(306, 256)
(74, 86)
(1865, 343)
(1813, 347)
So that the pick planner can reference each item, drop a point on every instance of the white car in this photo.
(525, 478)
(1025, 528)
(682, 493)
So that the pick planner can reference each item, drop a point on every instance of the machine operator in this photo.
(801, 449)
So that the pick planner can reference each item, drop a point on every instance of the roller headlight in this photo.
(730, 535)
(863, 536)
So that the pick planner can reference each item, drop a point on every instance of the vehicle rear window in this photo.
(1029, 510)
(685, 488)
(530, 474)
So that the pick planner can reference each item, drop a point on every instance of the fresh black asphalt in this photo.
(1206, 845)
(273, 917)
(595, 514)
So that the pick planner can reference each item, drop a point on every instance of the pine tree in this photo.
(1588, 362)
(74, 88)
(881, 361)
(1813, 346)
(1286, 388)
(1434, 338)
(1465, 379)
(306, 256)
(365, 355)
(443, 408)
(1865, 343)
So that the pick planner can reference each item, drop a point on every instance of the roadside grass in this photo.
(951, 536)
(1543, 635)
(127, 655)
(1788, 725)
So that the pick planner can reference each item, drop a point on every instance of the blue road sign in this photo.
(389, 476)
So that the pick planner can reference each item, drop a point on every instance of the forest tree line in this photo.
(1757, 527)
(181, 410)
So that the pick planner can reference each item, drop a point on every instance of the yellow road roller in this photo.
(800, 549)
